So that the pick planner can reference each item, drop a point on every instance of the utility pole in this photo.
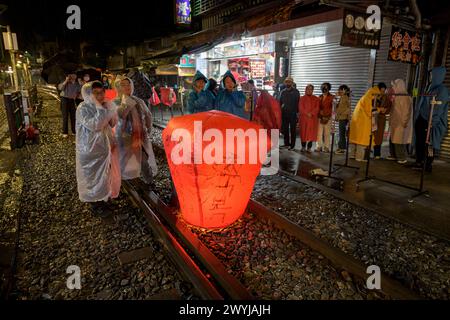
(13, 58)
(28, 67)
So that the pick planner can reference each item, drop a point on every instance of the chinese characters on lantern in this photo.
(405, 46)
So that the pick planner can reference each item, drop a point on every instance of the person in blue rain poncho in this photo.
(438, 120)
(97, 160)
(229, 99)
(199, 99)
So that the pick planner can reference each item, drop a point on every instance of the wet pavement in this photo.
(428, 213)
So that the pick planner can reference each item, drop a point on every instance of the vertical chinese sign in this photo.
(258, 68)
(405, 46)
(183, 12)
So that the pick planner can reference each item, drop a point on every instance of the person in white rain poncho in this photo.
(97, 161)
(401, 122)
(133, 134)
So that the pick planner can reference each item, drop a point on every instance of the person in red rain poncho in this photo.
(309, 108)
(267, 112)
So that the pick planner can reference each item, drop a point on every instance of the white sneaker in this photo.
(65, 135)
(402, 161)
(361, 160)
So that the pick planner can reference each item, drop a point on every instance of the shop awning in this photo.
(162, 57)
(161, 52)
(205, 46)
(166, 70)
(155, 62)
(186, 72)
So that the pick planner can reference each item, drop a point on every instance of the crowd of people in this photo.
(314, 116)
(113, 141)
(206, 96)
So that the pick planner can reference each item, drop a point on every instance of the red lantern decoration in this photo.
(110, 94)
(168, 96)
(154, 99)
(214, 164)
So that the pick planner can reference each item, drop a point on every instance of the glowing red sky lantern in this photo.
(214, 158)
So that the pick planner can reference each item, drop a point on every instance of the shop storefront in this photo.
(251, 58)
(317, 57)
(445, 148)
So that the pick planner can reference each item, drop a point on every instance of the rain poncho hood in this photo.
(440, 112)
(399, 86)
(199, 76)
(200, 101)
(133, 135)
(232, 102)
(97, 163)
(361, 122)
(227, 74)
(437, 76)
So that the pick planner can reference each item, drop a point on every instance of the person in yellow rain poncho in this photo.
(361, 123)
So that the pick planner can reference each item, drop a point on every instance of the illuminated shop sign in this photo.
(183, 12)
(251, 46)
(187, 62)
(357, 33)
(405, 46)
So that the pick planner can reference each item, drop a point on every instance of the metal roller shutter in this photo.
(445, 147)
(332, 63)
(385, 70)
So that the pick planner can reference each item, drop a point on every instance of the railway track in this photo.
(195, 261)
(214, 275)
(210, 276)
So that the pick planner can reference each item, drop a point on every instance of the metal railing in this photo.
(15, 117)
(17, 105)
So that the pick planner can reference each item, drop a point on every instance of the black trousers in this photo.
(421, 137)
(377, 151)
(309, 144)
(289, 128)
(68, 109)
(343, 134)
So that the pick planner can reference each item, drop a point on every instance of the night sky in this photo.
(104, 23)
